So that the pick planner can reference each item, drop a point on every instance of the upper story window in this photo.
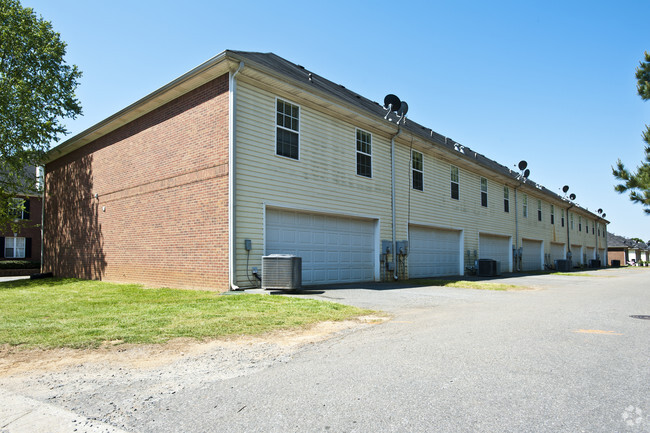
(539, 210)
(562, 215)
(506, 199)
(579, 223)
(14, 248)
(571, 220)
(19, 208)
(287, 140)
(552, 214)
(525, 205)
(455, 179)
(364, 153)
(417, 170)
(484, 190)
(587, 226)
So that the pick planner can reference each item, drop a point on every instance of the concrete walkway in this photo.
(20, 414)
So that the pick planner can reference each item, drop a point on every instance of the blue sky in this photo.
(551, 82)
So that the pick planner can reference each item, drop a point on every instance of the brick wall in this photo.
(160, 216)
(31, 230)
(616, 255)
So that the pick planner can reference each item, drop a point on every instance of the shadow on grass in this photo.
(44, 283)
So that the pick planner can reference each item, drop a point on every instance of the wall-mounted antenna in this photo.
(401, 112)
(524, 172)
(391, 103)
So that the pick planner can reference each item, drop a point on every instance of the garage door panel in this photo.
(497, 248)
(557, 252)
(532, 255)
(334, 249)
(433, 252)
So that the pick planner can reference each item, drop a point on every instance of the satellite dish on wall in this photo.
(392, 102)
(526, 173)
(565, 188)
(522, 165)
(600, 211)
(604, 215)
(572, 196)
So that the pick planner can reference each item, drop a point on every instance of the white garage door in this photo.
(334, 249)
(601, 255)
(532, 255)
(590, 251)
(576, 254)
(497, 248)
(557, 252)
(433, 252)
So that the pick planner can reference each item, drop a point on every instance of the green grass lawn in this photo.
(54, 313)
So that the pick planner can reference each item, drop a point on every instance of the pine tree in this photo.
(637, 183)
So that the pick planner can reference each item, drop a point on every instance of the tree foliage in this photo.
(637, 183)
(37, 91)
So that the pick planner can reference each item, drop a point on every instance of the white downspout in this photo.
(42, 216)
(393, 205)
(515, 267)
(232, 87)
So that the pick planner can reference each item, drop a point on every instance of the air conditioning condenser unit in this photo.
(281, 272)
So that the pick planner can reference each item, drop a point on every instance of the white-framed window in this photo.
(287, 134)
(506, 199)
(525, 205)
(484, 192)
(14, 248)
(579, 223)
(570, 219)
(587, 226)
(417, 170)
(19, 208)
(364, 153)
(552, 214)
(562, 215)
(539, 210)
(455, 180)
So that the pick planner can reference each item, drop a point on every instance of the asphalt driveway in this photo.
(565, 357)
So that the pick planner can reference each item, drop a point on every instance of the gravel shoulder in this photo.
(112, 383)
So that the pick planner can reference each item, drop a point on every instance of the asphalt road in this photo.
(564, 358)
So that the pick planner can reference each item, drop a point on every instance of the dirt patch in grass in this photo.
(19, 360)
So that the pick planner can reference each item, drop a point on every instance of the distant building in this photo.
(24, 244)
(626, 251)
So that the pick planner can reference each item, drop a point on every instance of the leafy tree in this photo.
(36, 92)
(638, 182)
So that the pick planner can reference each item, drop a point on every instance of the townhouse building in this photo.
(249, 155)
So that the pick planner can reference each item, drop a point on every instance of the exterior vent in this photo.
(281, 271)
(486, 268)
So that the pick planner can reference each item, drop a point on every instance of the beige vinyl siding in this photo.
(434, 206)
(323, 180)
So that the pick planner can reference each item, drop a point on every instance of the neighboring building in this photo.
(251, 147)
(626, 251)
(25, 243)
